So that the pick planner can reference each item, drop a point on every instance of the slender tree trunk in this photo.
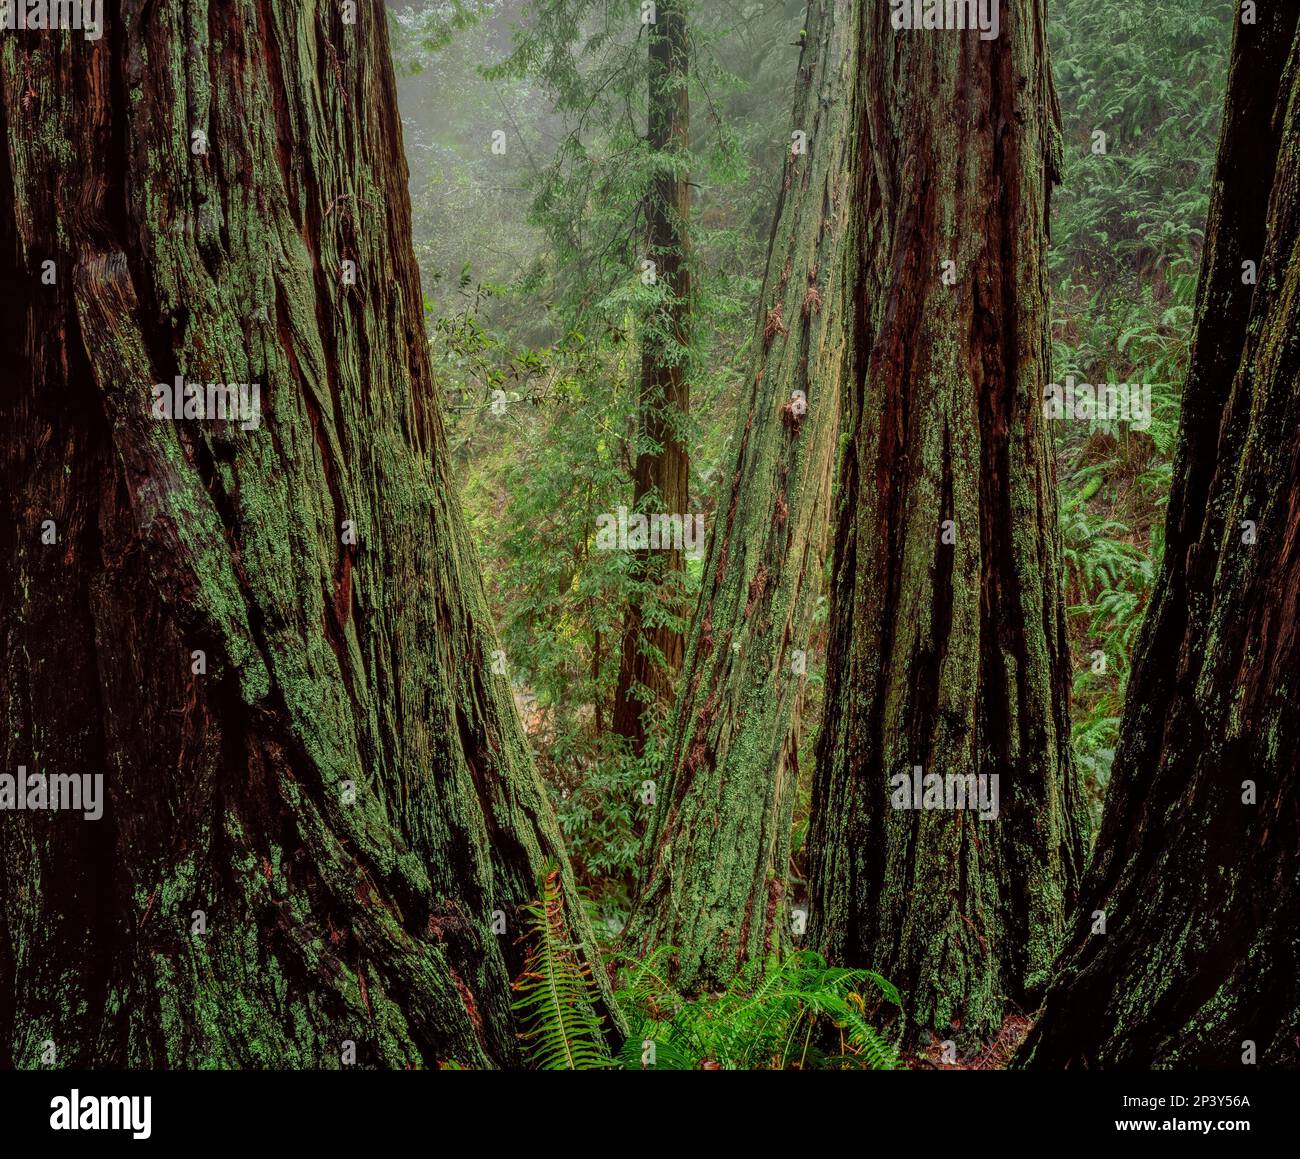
(1183, 950)
(717, 850)
(948, 645)
(273, 643)
(652, 650)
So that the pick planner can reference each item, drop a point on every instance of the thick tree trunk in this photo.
(1195, 871)
(318, 562)
(948, 645)
(652, 650)
(717, 850)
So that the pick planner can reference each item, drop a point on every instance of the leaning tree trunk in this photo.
(1184, 946)
(652, 648)
(273, 643)
(948, 646)
(717, 849)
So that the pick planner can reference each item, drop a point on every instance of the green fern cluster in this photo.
(792, 1013)
(1114, 484)
(556, 1000)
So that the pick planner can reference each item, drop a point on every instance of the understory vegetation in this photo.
(1127, 234)
(795, 1012)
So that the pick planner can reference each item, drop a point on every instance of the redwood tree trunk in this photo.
(319, 563)
(717, 849)
(948, 644)
(1196, 866)
(652, 649)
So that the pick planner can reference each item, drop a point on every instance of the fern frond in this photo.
(557, 997)
(871, 1044)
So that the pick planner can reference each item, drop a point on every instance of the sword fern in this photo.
(556, 994)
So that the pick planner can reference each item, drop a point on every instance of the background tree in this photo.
(1180, 949)
(241, 629)
(948, 646)
(717, 850)
(652, 652)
